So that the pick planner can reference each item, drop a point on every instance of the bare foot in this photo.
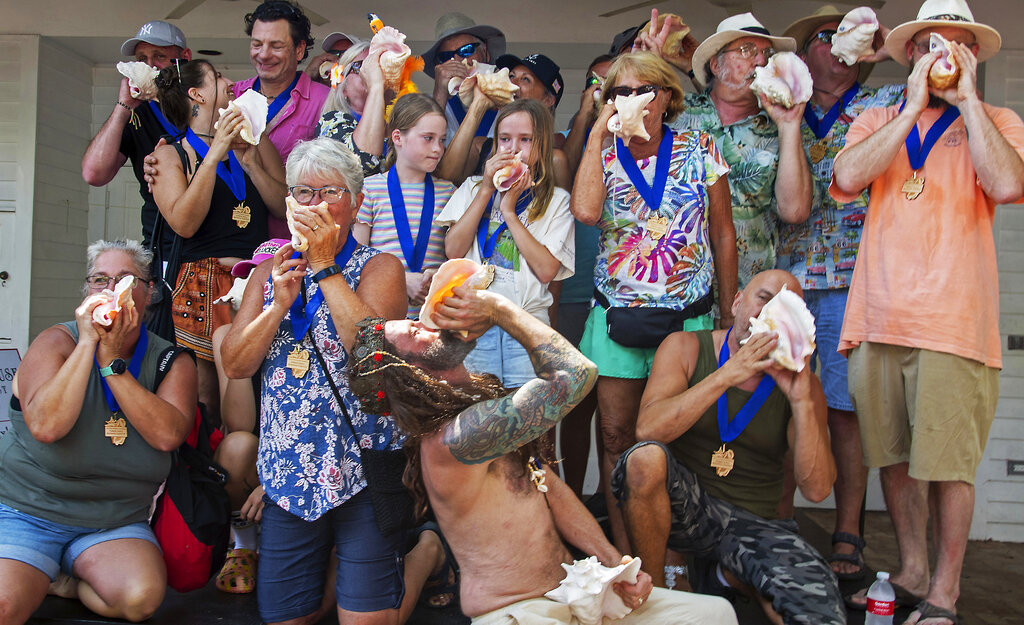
(64, 586)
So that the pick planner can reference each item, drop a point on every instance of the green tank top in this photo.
(84, 479)
(755, 482)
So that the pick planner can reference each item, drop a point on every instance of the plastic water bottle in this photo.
(881, 601)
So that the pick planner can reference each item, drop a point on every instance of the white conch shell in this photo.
(785, 80)
(787, 314)
(113, 301)
(677, 32)
(855, 35)
(587, 589)
(141, 79)
(494, 83)
(507, 176)
(234, 294)
(253, 106)
(299, 242)
(944, 73)
(628, 120)
(475, 68)
(453, 273)
(392, 61)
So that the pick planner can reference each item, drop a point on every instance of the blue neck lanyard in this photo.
(302, 316)
(233, 176)
(460, 114)
(918, 152)
(488, 243)
(652, 194)
(168, 126)
(413, 251)
(821, 127)
(282, 98)
(134, 366)
(730, 429)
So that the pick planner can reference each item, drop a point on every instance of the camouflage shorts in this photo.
(767, 555)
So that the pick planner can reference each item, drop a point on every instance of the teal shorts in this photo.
(614, 360)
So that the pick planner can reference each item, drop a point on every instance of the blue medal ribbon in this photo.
(652, 194)
(282, 98)
(166, 123)
(821, 127)
(233, 176)
(134, 367)
(460, 114)
(413, 251)
(730, 429)
(916, 152)
(488, 243)
(302, 316)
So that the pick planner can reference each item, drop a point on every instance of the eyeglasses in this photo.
(924, 47)
(329, 194)
(99, 281)
(465, 52)
(354, 67)
(824, 36)
(627, 91)
(749, 51)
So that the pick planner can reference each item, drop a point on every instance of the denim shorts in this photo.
(498, 353)
(53, 547)
(828, 307)
(295, 553)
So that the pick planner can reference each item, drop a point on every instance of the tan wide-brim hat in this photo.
(802, 29)
(729, 30)
(936, 13)
(453, 23)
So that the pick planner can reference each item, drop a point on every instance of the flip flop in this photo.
(928, 610)
(853, 558)
(238, 575)
(442, 588)
(904, 598)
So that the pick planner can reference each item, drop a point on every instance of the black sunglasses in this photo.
(465, 52)
(824, 36)
(627, 91)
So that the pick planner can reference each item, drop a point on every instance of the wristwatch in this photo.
(117, 366)
(324, 273)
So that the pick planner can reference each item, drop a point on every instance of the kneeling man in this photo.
(475, 456)
(707, 477)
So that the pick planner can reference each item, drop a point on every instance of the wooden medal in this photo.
(242, 215)
(657, 226)
(116, 430)
(913, 187)
(818, 151)
(298, 362)
(722, 461)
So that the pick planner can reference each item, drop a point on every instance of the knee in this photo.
(141, 599)
(618, 435)
(646, 469)
(237, 453)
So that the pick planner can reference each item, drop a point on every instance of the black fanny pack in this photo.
(647, 326)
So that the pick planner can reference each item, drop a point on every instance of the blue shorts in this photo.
(294, 555)
(828, 307)
(498, 353)
(53, 547)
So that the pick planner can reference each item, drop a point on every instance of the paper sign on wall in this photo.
(9, 361)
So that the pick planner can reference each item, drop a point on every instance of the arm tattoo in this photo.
(492, 428)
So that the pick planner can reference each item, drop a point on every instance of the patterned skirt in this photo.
(196, 317)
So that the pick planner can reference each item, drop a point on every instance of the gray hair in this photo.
(142, 258)
(336, 100)
(327, 159)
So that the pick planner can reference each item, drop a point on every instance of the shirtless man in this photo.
(473, 445)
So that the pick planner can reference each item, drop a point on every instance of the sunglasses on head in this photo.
(627, 91)
(465, 52)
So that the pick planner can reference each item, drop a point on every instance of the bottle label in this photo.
(881, 608)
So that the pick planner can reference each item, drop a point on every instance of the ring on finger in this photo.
(315, 227)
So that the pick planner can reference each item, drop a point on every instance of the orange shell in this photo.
(453, 273)
(116, 300)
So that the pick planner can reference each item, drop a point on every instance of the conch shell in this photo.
(628, 120)
(299, 242)
(587, 589)
(495, 84)
(234, 294)
(855, 36)
(141, 79)
(945, 73)
(787, 314)
(677, 31)
(785, 81)
(253, 107)
(507, 176)
(392, 60)
(453, 273)
(113, 301)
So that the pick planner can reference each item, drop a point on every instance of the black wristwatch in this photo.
(117, 366)
(324, 273)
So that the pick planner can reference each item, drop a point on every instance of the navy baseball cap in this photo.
(542, 67)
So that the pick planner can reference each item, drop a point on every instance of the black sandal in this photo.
(441, 589)
(853, 558)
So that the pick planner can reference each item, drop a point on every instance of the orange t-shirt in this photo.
(926, 271)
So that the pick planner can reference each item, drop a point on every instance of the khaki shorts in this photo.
(931, 409)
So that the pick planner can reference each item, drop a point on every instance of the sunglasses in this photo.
(824, 36)
(465, 52)
(627, 91)
(354, 67)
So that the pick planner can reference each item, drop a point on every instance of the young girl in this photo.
(397, 215)
(526, 233)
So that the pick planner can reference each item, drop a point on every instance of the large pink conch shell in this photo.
(495, 84)
(628, 120)
(945, 73)
(453, 273)
(141, 79)
(785, 81)
(588, 589)
(508, 175)
(787, 314)
(253, 106)
(856, 34)
(299, 242)
(677, 32)
(392, 60)
(114, 301)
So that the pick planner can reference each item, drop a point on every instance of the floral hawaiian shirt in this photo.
(342, 126)
(751, 148)
(309, 460)
(822, 251)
